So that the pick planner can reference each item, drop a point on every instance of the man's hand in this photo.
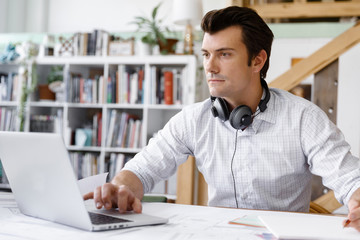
(124, 192)
(112, 196)
(354, 210)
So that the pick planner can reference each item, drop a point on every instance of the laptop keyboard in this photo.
(98, 219)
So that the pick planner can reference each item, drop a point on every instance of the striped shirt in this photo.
(272, 161)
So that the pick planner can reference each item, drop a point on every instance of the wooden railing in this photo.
(301, 8)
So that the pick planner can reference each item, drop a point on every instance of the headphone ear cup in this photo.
(240, 117)
(220, 109)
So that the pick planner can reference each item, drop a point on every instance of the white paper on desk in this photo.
(308, 226)
(88, 184)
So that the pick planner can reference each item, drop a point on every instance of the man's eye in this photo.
(225, 54)
(205, 54)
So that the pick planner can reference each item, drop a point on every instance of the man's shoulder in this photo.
(284, 97)
(198, 108)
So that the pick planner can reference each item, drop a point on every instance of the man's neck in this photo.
(250, 98)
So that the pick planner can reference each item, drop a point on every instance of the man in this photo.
(255, 147)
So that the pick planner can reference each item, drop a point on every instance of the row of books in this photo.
(8, 119)
(10, 87)
(84, 164)
(124, 130)
(116, 162)
(91, 43)
(166, 85)
(126, 85)
(47, 123)
(85, 90)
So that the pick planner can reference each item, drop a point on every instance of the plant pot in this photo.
(169, 47)
(144, 49)
(45, 93)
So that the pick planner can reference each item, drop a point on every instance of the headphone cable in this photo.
(232, 173)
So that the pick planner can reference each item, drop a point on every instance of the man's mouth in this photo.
(213, 78)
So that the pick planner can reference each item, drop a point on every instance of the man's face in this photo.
(225, 62)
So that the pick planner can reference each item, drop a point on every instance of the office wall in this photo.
(60, 16)
(348, 118)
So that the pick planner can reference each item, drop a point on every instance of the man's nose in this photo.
(211, 65)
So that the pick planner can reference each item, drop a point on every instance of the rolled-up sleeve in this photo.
(165, 152)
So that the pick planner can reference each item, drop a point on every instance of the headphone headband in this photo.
(263, 102)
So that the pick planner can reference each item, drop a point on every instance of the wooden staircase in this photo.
(319, 59)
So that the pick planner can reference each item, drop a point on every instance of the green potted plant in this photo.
(155, 32)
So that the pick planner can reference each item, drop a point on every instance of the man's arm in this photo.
(354, 210)
(125, 191)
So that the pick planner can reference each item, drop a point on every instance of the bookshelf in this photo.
(127, 89)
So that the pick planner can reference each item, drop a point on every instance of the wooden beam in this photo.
(302, 9)
(185, 182)
(308, 10)
(319, 59)
(202, 191)
(328, 201)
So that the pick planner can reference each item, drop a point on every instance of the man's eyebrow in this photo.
(225, 49)
(220, 49)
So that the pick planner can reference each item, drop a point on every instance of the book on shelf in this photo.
(96, 129)
(85, 90)
(8, 119)
(10, 86)
(140, 98)
(166, 85)
(126, 85)
(84, 164)
(95, 43)
(116, 162)
(91, 46)
(122, 126)
(137, 135)
(133, 88)
(111, 126)
(99, 129)
(123, 130)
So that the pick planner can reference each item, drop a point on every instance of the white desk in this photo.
(185, 222)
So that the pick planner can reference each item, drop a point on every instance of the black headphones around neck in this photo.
(241, 116)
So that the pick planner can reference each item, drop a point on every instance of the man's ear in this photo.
(259, 61)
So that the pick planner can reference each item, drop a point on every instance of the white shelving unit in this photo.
(75, 115)
(9, 106)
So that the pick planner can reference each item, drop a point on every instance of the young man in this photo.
(255, 147)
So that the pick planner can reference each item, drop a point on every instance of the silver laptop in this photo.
(44, 184)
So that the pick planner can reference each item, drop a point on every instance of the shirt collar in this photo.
(269, 115)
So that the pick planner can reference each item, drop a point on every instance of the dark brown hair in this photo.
(256, 34)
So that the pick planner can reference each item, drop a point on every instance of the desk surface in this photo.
(185, 222)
